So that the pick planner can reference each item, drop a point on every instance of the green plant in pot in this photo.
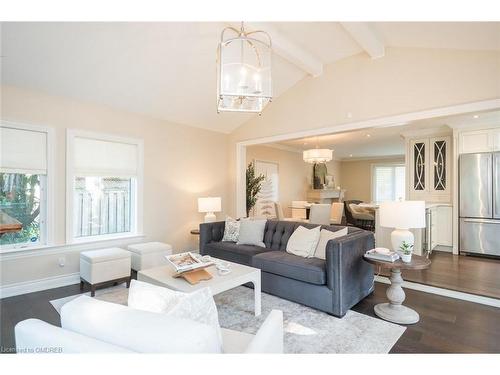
(406, 250)
(253, 186)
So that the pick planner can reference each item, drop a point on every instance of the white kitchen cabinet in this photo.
(434, 227)
(484, 140)
(439, 226)
(429, 169)
(444, 226)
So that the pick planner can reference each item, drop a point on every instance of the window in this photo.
(23, 184)
(388, 182)
(104, 184)
(102, 205)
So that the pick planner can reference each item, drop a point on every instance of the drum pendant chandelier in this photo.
(243, 71)
(317, 155)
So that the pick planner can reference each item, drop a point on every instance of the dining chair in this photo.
(279, 213)
(299, 213)
(348, 213)
(365, 217)
(320, 214)
(337, 212)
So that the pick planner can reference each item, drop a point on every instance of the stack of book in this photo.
(382, 254)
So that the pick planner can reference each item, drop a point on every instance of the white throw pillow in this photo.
(231, 230)
(252, 232)
(325, 236)
(198, 306)
(149, 297)
(303, 241)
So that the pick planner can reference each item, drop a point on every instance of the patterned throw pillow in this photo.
(198, 305)
(231, 230)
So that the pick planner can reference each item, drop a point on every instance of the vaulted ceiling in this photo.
(167, 70)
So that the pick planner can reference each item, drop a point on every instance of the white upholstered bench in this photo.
(103, 266)
(149, 254)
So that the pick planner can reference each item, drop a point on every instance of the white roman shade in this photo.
(97, 157)
(23, 151)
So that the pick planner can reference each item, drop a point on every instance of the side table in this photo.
(394, 311)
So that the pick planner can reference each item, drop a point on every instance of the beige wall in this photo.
(294, 174)
(181, 163)
(356, 176)
(404, 80)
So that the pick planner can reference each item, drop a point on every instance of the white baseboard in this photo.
(444, 292)
(37, 285)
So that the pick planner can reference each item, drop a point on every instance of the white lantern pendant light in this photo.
(317, 155)
(243, 71)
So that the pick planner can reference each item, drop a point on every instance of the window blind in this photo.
(97, 157)
(388, 183)
(23, 151)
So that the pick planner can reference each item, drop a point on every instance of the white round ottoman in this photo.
(103, 266)
(149, 254)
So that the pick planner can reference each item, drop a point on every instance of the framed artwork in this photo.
(269, 188)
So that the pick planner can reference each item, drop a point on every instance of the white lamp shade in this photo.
(402, 215)
(317, 155)
(209, 204)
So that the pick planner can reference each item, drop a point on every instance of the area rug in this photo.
(306, 330)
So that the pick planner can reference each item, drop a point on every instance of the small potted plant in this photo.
(406, 250)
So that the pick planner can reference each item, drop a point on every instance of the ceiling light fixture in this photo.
(317, 155)
(243, 71)
(476, 116)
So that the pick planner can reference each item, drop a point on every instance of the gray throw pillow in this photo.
(252, 232)
(231, 230)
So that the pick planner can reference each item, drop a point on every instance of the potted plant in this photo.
(406, 251)
(253, 186)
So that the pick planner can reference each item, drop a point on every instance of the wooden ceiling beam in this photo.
(287, 49)
(364, 34)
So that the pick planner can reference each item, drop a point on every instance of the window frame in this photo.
(136, 224)
(372, 177)
(47, 185)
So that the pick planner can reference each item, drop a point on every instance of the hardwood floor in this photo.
(446, 325)
(469, 274)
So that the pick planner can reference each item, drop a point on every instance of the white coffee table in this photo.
(239, 275)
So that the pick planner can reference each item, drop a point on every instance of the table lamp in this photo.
(402, 216)
(209, 205)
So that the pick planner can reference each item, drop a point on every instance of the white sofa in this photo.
(93, 326)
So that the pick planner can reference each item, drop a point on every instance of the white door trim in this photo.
(382, 122)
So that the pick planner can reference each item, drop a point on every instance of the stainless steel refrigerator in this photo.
(480, 203)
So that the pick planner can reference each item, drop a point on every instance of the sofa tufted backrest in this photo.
(277, 233)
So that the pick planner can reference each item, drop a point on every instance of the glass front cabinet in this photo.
(429, 168)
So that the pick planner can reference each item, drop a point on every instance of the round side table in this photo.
(394, 311)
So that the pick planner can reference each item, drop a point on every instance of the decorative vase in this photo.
(406, 258)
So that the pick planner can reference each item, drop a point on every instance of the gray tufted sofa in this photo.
(333, 285)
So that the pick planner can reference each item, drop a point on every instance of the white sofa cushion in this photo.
(269, 337)
(325, 236)
(137, 330)
(34, 336)
(303, 241)
(198, 306)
